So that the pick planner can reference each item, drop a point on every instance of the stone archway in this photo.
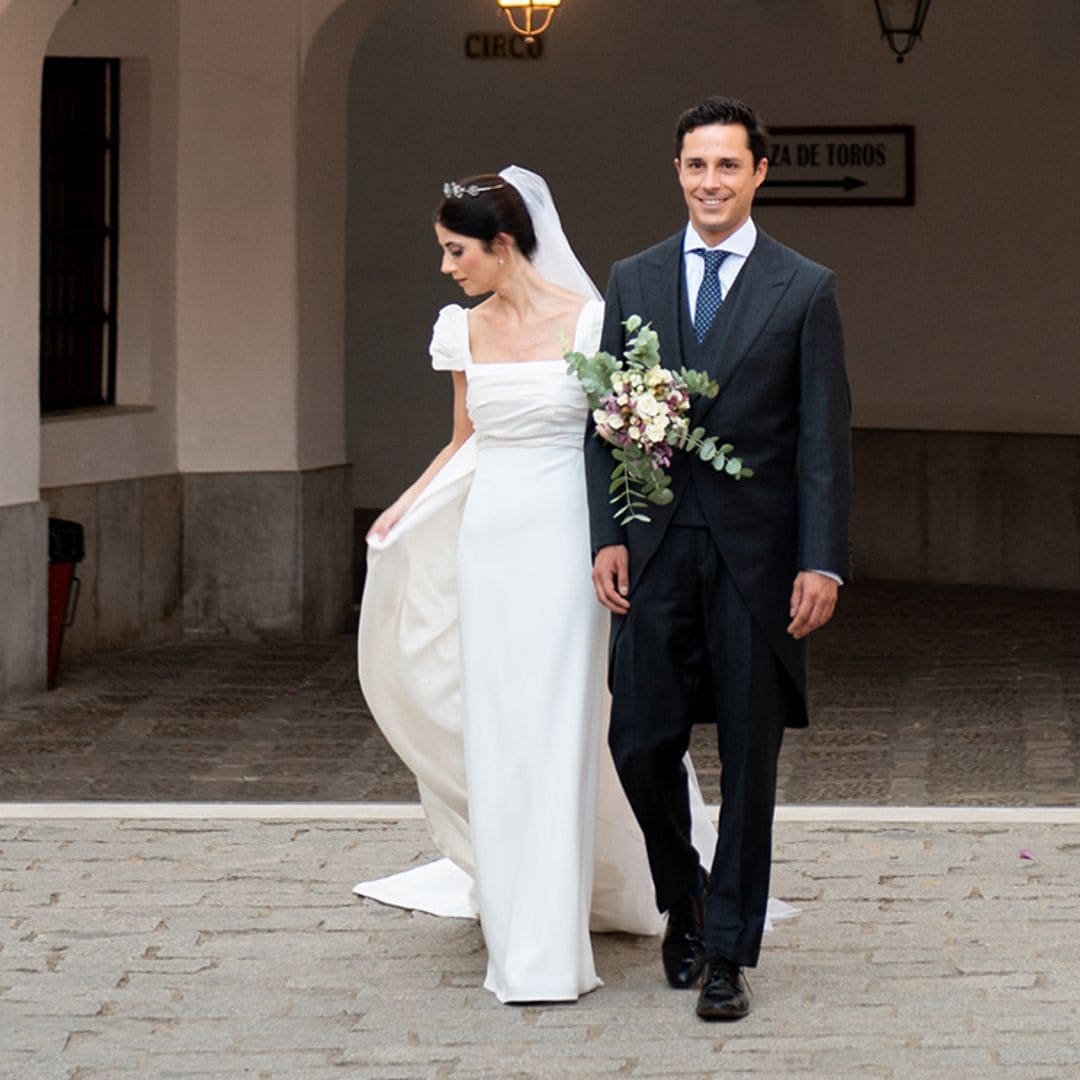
(267, 519)
(329, 48)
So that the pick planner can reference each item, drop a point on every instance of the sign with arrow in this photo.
(844, 166)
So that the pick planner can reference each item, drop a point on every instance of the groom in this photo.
(714, 598)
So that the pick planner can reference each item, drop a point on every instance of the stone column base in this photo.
(267, 554)
(130, 576)
(24, 573)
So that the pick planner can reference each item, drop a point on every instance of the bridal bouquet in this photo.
(642, 411)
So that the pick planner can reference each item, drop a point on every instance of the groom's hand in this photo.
(813, 601)
(611, 578)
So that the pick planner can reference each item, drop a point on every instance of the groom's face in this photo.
(718, 178)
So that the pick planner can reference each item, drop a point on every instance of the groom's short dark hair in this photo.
(725, 110)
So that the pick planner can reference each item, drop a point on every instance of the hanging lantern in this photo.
(534, 18)
(902, 23)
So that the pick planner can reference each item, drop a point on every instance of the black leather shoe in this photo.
(724, 995)
(683, 947)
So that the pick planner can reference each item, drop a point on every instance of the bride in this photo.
(481, 644)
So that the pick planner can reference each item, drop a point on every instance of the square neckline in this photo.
(471, 363)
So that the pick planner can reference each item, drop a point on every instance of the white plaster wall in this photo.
(261, 214)
(138, 438)
(214, 274)
(260, 226)
(237, 239)
(25, 26)
(960, 310)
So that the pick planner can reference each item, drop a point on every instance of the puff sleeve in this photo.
(449, 346)
(590, 325)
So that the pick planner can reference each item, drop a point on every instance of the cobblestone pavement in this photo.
(135, 946)
(921, 696)
(234, 949)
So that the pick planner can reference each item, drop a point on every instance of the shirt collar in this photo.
(740, 242)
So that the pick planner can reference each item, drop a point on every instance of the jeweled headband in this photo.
(453, 190)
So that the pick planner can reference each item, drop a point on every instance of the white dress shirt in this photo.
(738, 245)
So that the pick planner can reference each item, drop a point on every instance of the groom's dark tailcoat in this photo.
(776, 350)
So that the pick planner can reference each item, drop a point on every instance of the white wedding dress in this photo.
(481, 655)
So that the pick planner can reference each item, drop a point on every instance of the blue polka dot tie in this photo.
(709, 297)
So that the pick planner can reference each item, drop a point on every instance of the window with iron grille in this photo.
(80, 110)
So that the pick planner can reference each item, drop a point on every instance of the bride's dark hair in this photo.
(484, 206)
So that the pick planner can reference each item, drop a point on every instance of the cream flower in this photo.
(657, 376)
(656, 431)
(648, 406)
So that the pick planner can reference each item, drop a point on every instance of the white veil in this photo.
(553, 258)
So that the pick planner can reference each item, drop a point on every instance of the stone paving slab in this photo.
(921, 695)
(226, 948)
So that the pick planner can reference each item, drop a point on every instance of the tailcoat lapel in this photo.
(746, 311)
(660, 285)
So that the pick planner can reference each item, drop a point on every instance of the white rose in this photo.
(648, 406)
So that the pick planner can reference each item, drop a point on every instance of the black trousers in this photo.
(687, 652)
